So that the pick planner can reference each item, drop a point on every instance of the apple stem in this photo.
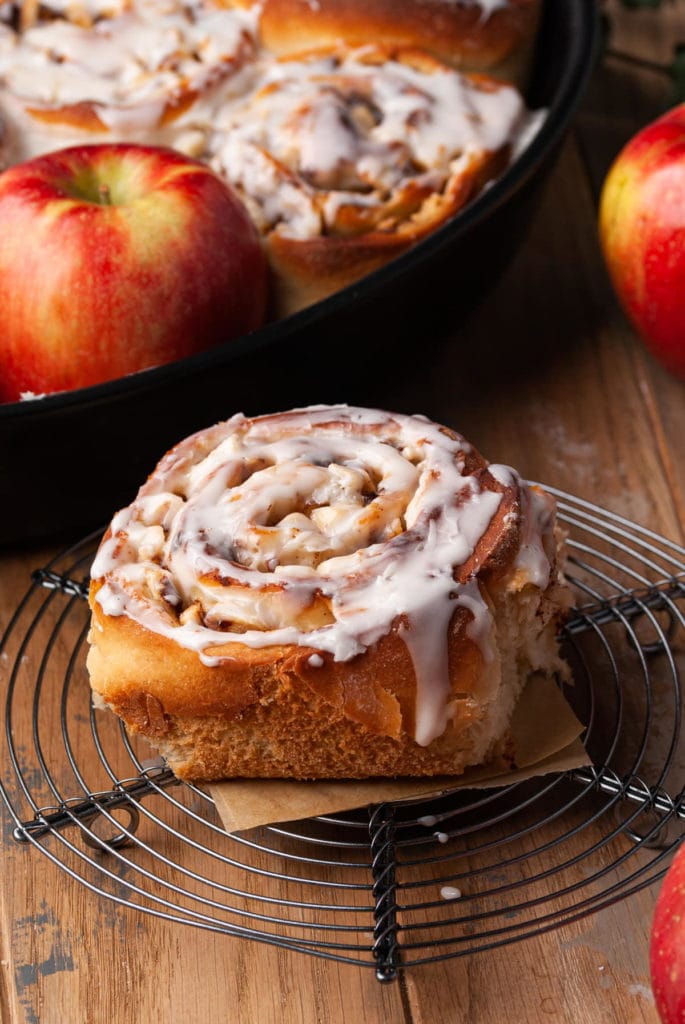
(105, 195)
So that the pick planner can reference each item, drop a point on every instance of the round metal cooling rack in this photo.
(394, 885)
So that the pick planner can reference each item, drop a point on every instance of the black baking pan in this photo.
(69, 460)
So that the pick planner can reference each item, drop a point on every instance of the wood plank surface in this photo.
(645, 35)
(549, 377)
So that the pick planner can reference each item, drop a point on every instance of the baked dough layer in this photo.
(493, 35)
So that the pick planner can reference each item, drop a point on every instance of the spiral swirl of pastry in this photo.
(346, 144)
(323, 528)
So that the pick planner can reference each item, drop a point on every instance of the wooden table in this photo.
(593, 414)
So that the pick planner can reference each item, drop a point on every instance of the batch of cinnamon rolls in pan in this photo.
(350, 128)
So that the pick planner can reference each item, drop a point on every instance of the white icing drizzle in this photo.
(321, 527)
(538, 512)
(488, 7)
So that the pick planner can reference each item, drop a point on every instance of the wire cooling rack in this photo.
(390, 886)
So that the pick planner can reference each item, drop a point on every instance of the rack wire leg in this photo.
(385, 946)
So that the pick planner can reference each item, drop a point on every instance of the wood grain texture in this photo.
(550, 377)
(646, 35)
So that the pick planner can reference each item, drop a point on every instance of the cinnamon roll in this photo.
(474, 35)
(74, 71)
(345, 160)
(328, 592)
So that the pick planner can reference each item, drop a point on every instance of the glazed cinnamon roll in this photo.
(345, 160)
(329, 592)
(496, 36)
(74, 71)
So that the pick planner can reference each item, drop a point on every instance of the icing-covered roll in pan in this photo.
(345, 160)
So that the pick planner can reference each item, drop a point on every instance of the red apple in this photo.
(667, 947)
(642, 229)
(116, 258)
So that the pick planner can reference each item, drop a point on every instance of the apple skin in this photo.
(642, 231)
(667, 944)
(116, 258)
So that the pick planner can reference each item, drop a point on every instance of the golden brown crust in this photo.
(306, 271)
(457, 33)
(270, 713)
(130, 664)
(84, 116)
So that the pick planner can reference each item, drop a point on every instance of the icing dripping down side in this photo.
(324, 528)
